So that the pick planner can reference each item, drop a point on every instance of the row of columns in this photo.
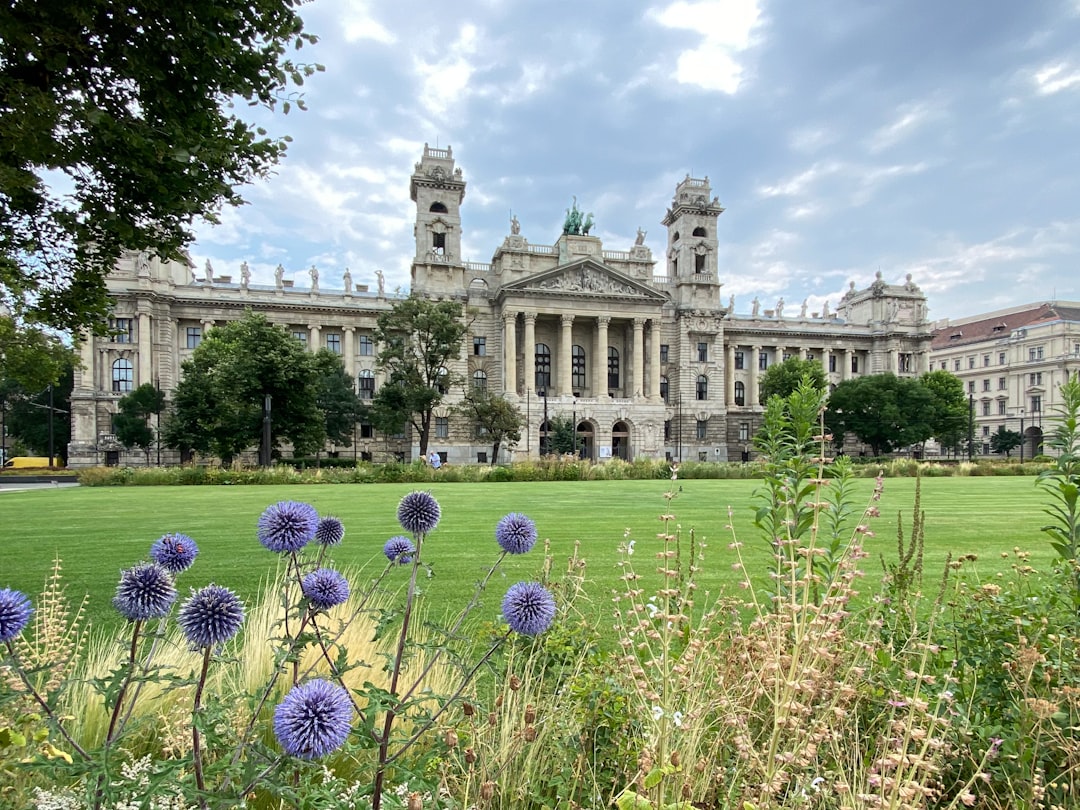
(637, 384)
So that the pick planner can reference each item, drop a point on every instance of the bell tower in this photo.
(437, 188)
(692, 262)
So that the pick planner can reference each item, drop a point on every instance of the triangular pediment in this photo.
(585, 277)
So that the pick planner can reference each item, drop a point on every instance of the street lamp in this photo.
(1021, 435)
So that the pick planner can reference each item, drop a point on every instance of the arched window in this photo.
(699, 231)
(577, 366)
(702, 387)
(123, 376)
(612, 367)
(543, 367)
(479, 380)
(366, 384)
(740, 393)
(663, 388)
(438, 208)
(675, 237)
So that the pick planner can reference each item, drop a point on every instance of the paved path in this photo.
(17, 486)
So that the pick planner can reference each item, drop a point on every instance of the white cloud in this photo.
(1055, 78)
(801, 182)
(908, 119)
(444, 81)
(726, 28)
(357, 24)
(811, 139)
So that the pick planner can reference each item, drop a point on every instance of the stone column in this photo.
(845, 372)
(638, 389)
(729, 376)
(530, 351)
(825, 353)
(313, 337)
(510, 353)
(146, 374)
(350, 352)
(752, 389)
(85, 376)
(206, 327)
(600, 357)
(654, 359)
(566, 339)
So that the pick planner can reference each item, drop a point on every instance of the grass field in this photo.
(99, 531)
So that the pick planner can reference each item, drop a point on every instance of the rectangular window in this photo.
(1035, 378)
(986, 359)
(740, 360)
(986, 408)
(1001, 358)
(763, 361)
(744, 431)
(1035, 353)
(904, 362)
(123, 330)
(971, 362)
(479, 346)
(1002, 383)
(300, 335)
(1036, 404)
(956, 364)
(333, 343)
(971, 386)
(986, 384)
(703, 352)
(442, 427)
(986, 448)
(1001, 407)
(854, 364)
(663, 352)
(832, 363)
(667, 430)
(194, 336)
(367, 346)
(809, 355)
(986, 430)
(367, 430)
(788, 356)
(702, 429)
(367, 385)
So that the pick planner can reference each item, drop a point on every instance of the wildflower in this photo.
(529, 608)
(677, 719)
(418, 512)
(174, 552)
(15, 613)
(145, 591)
(399, 550)
(211, 616)
(313, 719)
(325, 588)
(515, 533)
(630, 549)
(657, 712)
(329, 532)
(287, 526)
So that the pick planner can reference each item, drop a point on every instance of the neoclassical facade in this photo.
(639, 351)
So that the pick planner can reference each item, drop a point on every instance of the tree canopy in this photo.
(495, 417)
(884, 411)
(950, 419)
(132, 421)
(30, 357)
(1005, 440)
(118, 127)
(26, 412)
(783, 378)
(419, 339)
(218, 404)
(336, 397)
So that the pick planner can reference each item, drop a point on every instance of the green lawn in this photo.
(99, 531)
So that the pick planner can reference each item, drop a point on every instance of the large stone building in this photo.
(1012, 363)
(640, 351)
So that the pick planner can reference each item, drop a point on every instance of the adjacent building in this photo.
(639, 350)
(1012, 363)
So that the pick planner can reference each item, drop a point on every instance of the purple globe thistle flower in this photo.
(516, 533)
(330, 531)
(174, 552)
(325, 588)
(313, 719)
(399, 550)
(145, 591)
(210, 616)
(418, 512)
(529, 608)
(15, 613)
(287, 526)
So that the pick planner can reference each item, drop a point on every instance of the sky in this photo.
(843, 138)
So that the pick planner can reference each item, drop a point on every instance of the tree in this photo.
(562, 439)
(133, 105)
(336, 397)
(884, 411)
(26, 416)
(218, 405)
(132, 421)
(418, 339)
(30, 357)
(1005, 441)
(495, 416)
(950, 419)
(783, 378)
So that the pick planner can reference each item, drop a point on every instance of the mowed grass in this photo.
(99, 531)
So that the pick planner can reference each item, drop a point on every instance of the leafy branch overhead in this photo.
(119, 129)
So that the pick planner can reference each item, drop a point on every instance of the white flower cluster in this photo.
(134, 783)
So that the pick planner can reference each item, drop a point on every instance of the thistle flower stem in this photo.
(159, 634)
(453, 630)
(43, 703)
(196, 738)
(132, 654)
(269, 769)
(333, 667)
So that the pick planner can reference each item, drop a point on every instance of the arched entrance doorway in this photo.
(545, 438)
(1033, 442)
(620, 441)
(586, 440)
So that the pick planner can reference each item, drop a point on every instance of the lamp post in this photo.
(971, 427)
(1021, 435)
(573, 412)
(545, 447)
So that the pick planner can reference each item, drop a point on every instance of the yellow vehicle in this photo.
(30, 462)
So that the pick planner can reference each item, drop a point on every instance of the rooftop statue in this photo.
(572, 224)
(640, 240)
(587, 225)
(515, 226)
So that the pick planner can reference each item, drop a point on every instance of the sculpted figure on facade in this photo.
(381, 281)
(279, 276)
(804, 307)
(314, 273)
(587, 225)
(780, 308)
(515, 226)
(755, 307)
(209, 269)
(245, 275)
(825, 310)
(346, 279)
(640, 239)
